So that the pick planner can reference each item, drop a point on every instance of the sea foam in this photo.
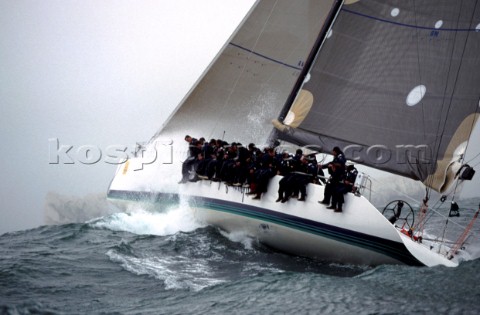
(140, 221)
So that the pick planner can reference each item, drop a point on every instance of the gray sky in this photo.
(95, 73)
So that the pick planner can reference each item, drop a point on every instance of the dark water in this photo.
(165, 263)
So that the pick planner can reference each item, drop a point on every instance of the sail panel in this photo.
(393, 83)
(249, 82)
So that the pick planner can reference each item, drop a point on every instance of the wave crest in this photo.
(143, 222)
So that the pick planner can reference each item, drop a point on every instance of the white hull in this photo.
(358, 235)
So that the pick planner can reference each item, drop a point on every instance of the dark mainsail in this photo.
(397, 85)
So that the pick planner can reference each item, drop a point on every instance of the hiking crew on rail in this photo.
(252, 168)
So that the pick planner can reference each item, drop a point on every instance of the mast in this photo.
(311, 58)
(248, 83)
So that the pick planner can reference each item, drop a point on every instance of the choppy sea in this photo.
(166, 263)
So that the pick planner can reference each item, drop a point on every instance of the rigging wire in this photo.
(438, 141)
(476, 165)
(462, 158)
(469, 161)
(417, 201)
(419, 66)
(474, 120)
(427, 188)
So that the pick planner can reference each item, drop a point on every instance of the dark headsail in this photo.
(397, 85)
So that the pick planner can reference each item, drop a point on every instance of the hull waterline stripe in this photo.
(389, 248)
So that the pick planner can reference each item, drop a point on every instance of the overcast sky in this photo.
(95, 73)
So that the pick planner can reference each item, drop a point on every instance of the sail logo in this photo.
(140, 154)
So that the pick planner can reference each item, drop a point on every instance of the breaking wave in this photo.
(140, 221)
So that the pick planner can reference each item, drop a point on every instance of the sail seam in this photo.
(243, 68)
(265, 57)
(409, 25)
